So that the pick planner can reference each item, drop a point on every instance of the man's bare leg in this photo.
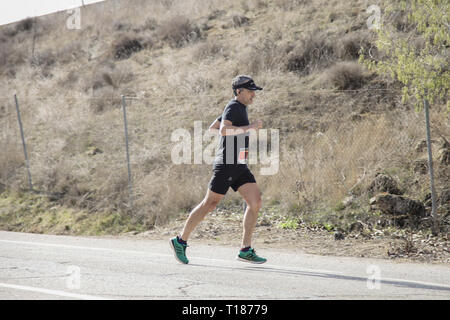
(208, 204)
(251, 194)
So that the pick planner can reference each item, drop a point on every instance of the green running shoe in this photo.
(179, 250)
(250, 256)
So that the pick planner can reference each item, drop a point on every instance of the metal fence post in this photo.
(127, 149)
(23, 143)
(434, 229)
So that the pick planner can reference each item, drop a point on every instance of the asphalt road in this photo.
(48, 267)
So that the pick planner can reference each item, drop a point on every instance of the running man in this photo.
(230, 170)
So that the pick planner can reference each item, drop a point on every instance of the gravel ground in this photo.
(226, 228)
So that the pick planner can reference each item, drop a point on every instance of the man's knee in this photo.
(210, 204)
(255, 204)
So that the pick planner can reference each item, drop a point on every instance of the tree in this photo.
(416, 53)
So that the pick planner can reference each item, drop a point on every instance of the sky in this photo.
(15, 10)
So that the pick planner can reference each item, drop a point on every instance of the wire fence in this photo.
(118, 152)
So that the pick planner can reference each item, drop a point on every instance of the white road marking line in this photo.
(102, 249)
(52, 292)
(222, 261)
(83, 248)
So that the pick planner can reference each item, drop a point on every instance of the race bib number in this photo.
(243, 156)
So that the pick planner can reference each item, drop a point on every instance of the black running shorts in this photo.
(233, 176)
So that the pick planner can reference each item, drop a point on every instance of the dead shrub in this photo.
(95, 80)
(399, 20)
(346, 75)
(107, 77)
(108, 80)
(216, 14)
(57, 179)
(71, 52)
(43, 62)
(352, 44)
(113, 193)
(167, 3)
(265, 55)
(10, 57)
(119, 26)
(239, 21)
(125, 46)
(170, 192)
(101, 80)
(119, 77)
(44, 59)
(8, 32)
(208, 49)
(10, 161)
(25, 25)
(179, 31)
(289, 5)
(69, 80)
(314, 51)
(104, 99)
(261, 4)
(10, 73)
(149, 24)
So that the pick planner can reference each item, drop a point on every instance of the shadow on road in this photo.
(264, 269)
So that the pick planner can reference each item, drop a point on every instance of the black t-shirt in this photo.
(233, 149)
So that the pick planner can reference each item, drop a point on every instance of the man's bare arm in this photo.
(214, 127)
(227, 128)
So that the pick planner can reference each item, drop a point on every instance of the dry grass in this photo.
(290, 5)
(346, 75)
(341, 161)
(209, 49)
(177, 61)
(315, 51)
(11, 58)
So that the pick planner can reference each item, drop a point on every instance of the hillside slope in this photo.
(339, 125)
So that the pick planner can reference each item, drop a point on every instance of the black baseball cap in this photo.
(246, 82)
